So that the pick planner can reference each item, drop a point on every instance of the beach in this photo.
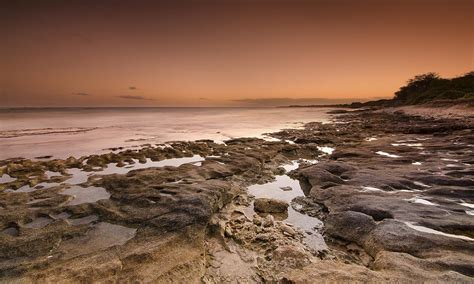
(320, 195)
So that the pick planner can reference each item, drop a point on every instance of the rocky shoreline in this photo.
(394, 201)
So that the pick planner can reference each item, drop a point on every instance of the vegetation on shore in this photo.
(427, 88)
(430, 88)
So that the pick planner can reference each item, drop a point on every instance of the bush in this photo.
(428, 87)
(450, 94)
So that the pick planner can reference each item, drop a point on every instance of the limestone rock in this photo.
(268, 205)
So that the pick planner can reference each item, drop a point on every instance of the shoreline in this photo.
(450, 112)
(389, 181)
(38, 134)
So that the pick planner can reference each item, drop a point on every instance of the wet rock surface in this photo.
(268, 205)
(135, 215)
(395, 196)
(396, 188)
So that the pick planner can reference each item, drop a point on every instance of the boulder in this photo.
(349, 225)
(269, 205)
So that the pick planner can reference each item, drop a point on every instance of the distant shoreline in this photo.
(163, 107)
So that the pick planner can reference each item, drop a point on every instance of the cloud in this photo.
(132, 88)
(81, 94)
(135, 98)
(292, 101)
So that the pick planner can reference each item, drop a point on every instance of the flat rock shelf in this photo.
(356, 201)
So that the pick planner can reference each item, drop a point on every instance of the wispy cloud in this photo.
(81, 94)
(127, 97)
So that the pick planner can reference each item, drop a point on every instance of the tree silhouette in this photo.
(416, 85)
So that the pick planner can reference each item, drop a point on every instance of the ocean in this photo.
(64, 132)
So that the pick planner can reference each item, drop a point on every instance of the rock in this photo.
(268, 221)
(264, 237)
(393, 235)
(228, 232)
(287, 230)
(257, 220)
(286, 188)
(351, 226)
(269, 205)
(307, 206)
(361, 196)
(291, 256)
(338, 111)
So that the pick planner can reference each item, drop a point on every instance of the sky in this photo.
(225, 53)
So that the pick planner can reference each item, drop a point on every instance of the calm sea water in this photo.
(61, 133)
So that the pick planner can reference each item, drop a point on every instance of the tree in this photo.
(417, 84)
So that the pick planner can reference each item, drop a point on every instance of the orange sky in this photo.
(224, 53)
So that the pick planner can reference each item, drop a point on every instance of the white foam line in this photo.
(421, 184)
(387, 154)
(421, 201)
(407, 144)
(326, 150)
(452, 165)
(449, 160)
(370, 188)
(465, 204)
(431, 231)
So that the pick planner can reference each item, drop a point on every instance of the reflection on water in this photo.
(79, 132)
(279, 189)
(11, 231)
(27, 188)
(38, 223)
(274, 189)
(50, 174)
(291, 166)
(92, 194)
(83, 220)
(326, 150)
(79, 176)
(86, 194)
(174, 162)
(6, 178)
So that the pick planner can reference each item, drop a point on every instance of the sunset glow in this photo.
(224, 53)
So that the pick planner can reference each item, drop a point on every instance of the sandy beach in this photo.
(451, 112)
